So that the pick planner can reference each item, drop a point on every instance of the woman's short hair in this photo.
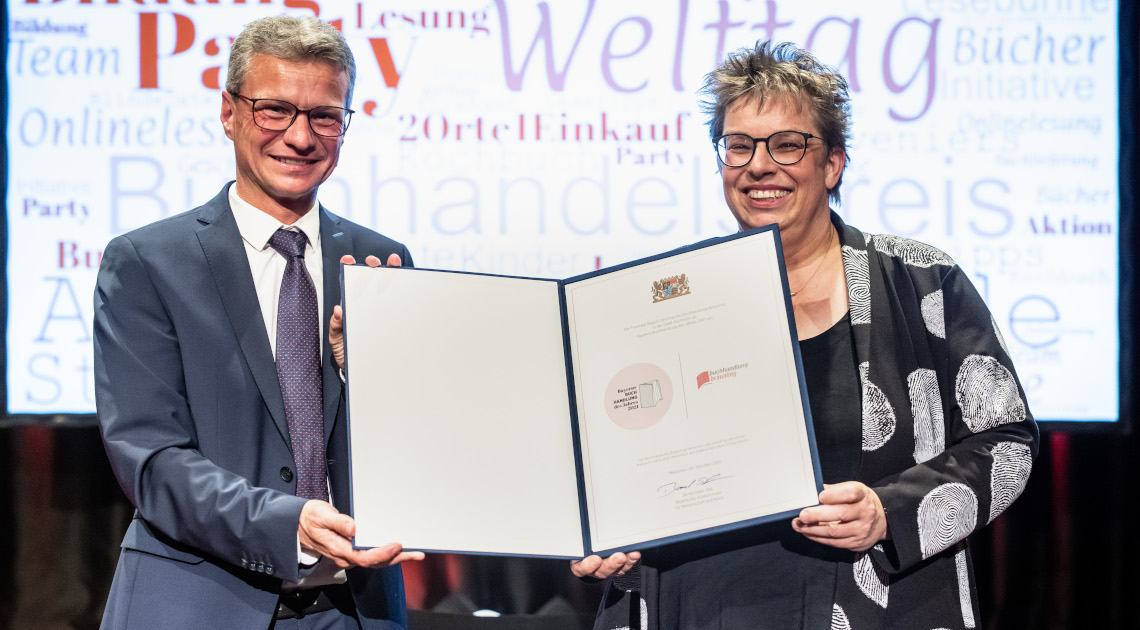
(781, 70)
(296, 39)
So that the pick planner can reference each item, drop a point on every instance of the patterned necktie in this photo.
(299, 366)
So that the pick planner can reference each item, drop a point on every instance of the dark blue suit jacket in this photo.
(192, 418)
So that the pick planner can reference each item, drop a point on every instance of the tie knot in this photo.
(288, 242)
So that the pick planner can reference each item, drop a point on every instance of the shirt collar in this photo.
(256, 227)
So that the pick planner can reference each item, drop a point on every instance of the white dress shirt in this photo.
(268, 267)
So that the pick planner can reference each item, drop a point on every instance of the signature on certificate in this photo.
(675, 486)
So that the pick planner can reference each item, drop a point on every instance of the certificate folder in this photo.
(626, 408)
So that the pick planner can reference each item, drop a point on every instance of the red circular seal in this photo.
(638, 396)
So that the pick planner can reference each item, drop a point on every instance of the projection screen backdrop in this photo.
(549, 138)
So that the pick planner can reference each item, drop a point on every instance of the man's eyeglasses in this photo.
(273, 115)
(785, 147)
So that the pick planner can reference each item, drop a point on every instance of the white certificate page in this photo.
(688, 394)
(460, 430)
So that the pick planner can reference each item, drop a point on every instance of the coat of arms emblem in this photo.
(669, 288)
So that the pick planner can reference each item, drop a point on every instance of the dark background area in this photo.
(1063, 556)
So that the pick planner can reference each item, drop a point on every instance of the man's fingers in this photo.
(340, 524)
(323, 528)
(373, 261)
(386, 556)
(340, 551)
(392, 553)
(336, 322)
(415, 556)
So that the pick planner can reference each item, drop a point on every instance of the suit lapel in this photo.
(334, 244)
(221, 243)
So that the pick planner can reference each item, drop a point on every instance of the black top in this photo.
(834, 398)
(769, 576)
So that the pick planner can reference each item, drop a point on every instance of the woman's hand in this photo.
(601, 568)
(850, 517)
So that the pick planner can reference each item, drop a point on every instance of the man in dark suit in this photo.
(218, 362)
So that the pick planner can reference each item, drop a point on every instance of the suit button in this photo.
(286, 474)
(244, 563)
(269, 570)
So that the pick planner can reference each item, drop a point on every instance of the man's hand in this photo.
(336, 323)
(850, 517)
(325, 531)
(597, 567)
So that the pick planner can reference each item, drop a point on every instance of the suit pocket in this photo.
(141, 537)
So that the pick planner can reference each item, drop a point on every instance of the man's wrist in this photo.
(304, 558)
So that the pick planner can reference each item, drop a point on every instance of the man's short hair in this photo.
(768, 70)
(296, 39)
